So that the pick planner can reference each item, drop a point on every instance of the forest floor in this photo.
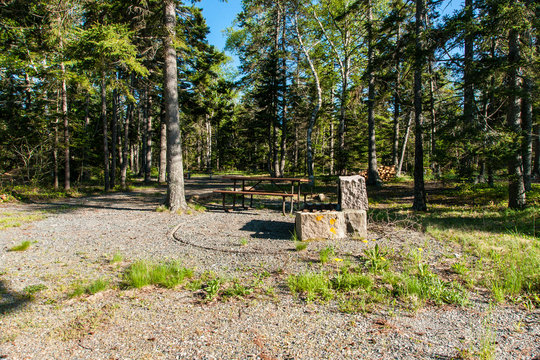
(421, 286)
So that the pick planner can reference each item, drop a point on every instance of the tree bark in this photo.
(208, 157)
(56, 144)
(404, 146)
(315, 111)
(148, 147)
(419, 202)
(123, 172)
(163, 147)
(516, 186)
(373, 171)
(67, 169)
(176, 199)
(395, 133)
(105, 131)
(527, 119)
(114, 137)
(84, 172)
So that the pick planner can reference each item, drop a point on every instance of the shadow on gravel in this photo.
(11, 301)
(268, 229)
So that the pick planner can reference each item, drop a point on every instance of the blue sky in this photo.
(219, 16)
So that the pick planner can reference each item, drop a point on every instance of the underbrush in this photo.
(378, 278)
(501, 247)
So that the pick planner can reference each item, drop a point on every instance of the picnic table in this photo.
(249, 184)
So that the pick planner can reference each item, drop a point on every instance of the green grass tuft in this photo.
(90, 289)
(299, 245)
(314, 286)
(326, 253)
(25, 245)
(165, 274)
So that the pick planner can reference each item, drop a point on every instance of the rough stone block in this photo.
(356, 222)
(352, 193)
(320, 225)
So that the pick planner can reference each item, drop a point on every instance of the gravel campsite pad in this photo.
(75, 240)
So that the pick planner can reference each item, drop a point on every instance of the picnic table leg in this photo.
(298, 200)
(292, 204)
(251, 202)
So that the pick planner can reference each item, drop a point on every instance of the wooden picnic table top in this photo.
(263, 178)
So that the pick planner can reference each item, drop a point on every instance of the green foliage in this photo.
(25, 245)
(117, 257)
(31, 290)
(313, 286)
(376, 258)
(326, 254)
(89, 288)
(165, 274)
(300, 245)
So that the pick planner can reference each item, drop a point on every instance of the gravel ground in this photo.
(78, 238)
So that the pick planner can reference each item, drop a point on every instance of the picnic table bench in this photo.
(252, 190)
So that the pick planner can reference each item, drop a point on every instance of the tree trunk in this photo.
(208, 157)
(123, 174)
(527, 119)
(395, 133)
(516, 186)
(105, 131)
(83, 175)
(67, 169)
(373, 171)
(536, 169)
(468, 86)
(419, 202)
(56, 144)
(404, 146)
(114, 137)
(176, 199)
(148, 147)
(163, 147)
(315, 111)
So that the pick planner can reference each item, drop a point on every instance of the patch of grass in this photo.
(236, 290)
(117, 257)
(348, 280)
(476, 218)
(165, 274)
(31, 290)
(376, 259)
(89, 288)
(25, 245)
(313, 286)
(8, 220)
(299, 245)
(197, 207)
(211, 288)
(162, 208)
(244, 241)
(326, 254)
(430, 287)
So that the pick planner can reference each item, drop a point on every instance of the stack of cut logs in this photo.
(386, 173)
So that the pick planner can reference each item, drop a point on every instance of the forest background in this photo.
(325, 88)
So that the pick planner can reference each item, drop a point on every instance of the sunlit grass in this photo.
(8, 220)
(166, 274)
(25, 245)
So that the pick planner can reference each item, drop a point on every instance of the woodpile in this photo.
(386, 173)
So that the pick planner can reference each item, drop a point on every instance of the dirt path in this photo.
(78, 238)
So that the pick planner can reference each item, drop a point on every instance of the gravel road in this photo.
(78, 238)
